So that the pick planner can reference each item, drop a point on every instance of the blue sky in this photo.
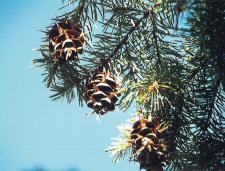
(34, 131)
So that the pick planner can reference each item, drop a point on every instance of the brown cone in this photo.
(101, 91)
(148, 146)
(66, 40)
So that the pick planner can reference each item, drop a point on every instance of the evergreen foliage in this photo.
(170, 56)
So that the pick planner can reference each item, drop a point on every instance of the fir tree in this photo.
(166, 58)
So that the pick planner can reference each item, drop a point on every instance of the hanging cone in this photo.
(101, 91)
(66, 40)
(147, 144)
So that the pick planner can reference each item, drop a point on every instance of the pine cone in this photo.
(148, 145)
(66, 40)
(102, 91)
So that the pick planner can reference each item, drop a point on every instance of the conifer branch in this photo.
(154, 31)
(193, 102)
(124, 40)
